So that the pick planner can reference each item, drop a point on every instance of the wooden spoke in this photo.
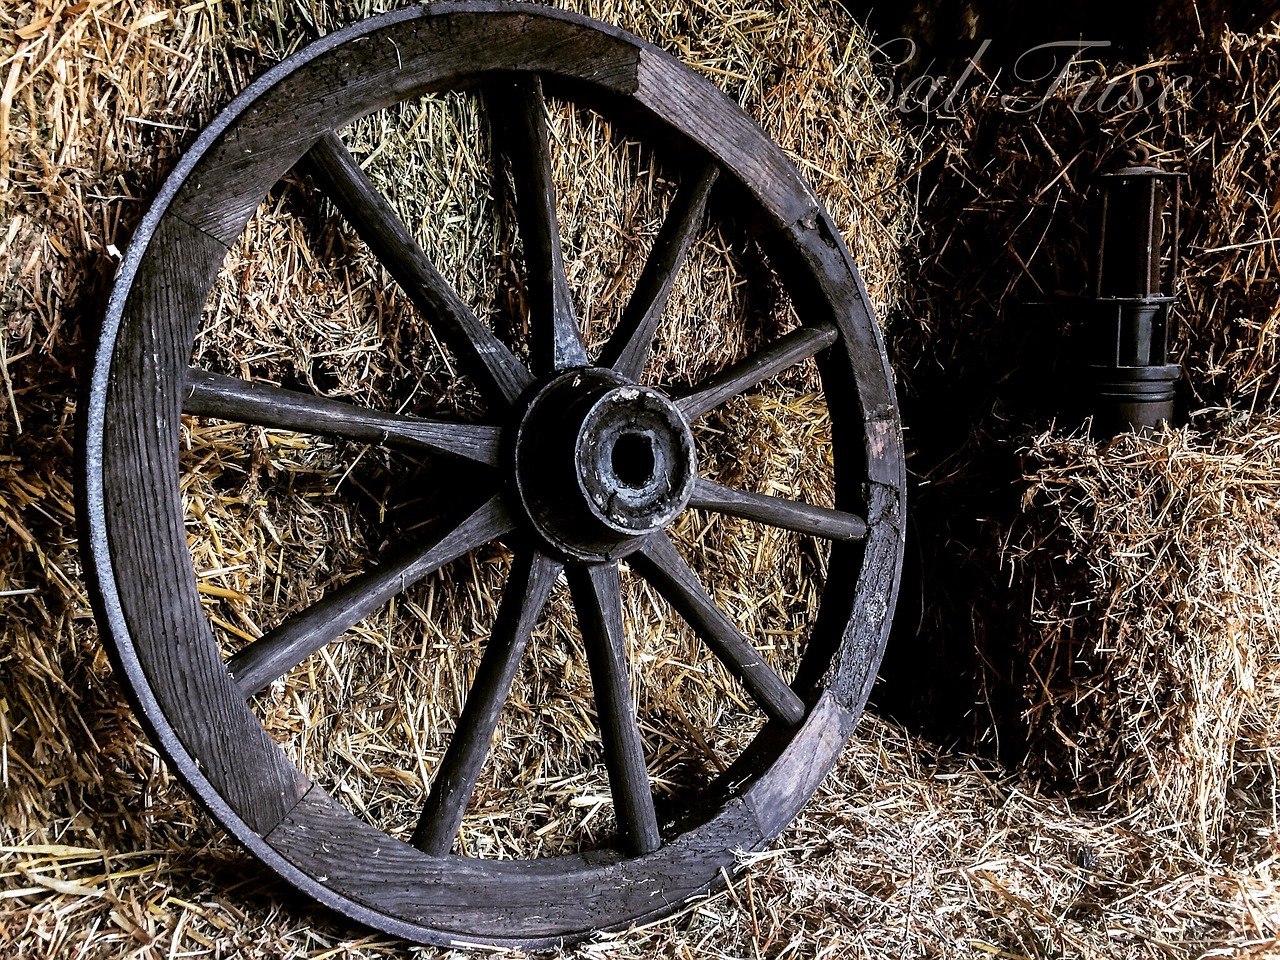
(230, 398)
(279, 651)
(661, 564)
(520, 133)
(628, 348)
(597, 597)
(499, 373)
(532, 576)
(784, 352)
(778, 511)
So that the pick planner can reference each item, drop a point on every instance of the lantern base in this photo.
(1136, 399)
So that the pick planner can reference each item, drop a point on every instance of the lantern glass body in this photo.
(1131, 380)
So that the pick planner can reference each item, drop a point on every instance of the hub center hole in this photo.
(632, 459)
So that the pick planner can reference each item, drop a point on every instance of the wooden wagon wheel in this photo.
(588, 467)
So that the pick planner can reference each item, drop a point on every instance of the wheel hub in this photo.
(601, 462)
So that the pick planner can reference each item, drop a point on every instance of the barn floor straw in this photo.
(906, 851)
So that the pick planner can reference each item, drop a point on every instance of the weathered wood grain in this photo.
(519, 120)
(785, 352)
(852, 627)
(777, 511)
(280, 650)
(796, 772)
(628, 347)
(538, 903)
(211, 394)
(850, 672)
(533, 574)
(715, 122)
(166, 628)
(597, 598)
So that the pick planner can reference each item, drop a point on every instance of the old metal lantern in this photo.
(1127, 328)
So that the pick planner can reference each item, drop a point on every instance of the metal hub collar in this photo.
(600, 462)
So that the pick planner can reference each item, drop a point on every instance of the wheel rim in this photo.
(194, 705)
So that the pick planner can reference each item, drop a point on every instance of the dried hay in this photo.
(1153, 565)
(1232, 304)
(903, 853)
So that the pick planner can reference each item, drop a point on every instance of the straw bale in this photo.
(1232, 309)
(1151, 567)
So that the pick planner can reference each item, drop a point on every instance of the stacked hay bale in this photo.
(1153, 673)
